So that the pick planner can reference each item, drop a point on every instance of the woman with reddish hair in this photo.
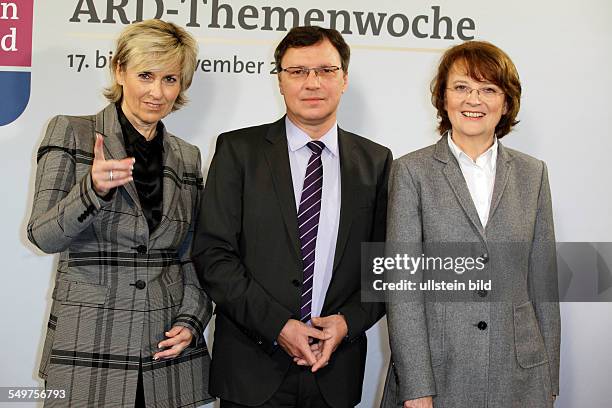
(488, 348)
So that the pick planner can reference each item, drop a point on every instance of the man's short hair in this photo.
(310, 35)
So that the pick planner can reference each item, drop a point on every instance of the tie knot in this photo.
(316, 147)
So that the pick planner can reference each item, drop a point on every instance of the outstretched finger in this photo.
(99, 147)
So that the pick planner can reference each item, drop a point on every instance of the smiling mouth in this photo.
(473, 114)
(153, 105)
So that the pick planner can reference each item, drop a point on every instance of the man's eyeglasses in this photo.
(303, 72)
(487, 93)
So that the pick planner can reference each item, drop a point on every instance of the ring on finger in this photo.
(110, 175)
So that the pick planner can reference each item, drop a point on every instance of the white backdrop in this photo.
(563, 51)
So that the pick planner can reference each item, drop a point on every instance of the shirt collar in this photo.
(488, 157)
(131, 136)
(297, 138)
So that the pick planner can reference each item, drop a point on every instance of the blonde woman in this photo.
(116, 196)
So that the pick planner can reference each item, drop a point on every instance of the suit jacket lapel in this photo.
(277, 155)
(349, 162)
(502, 174)
(172, 180)
(107, 124)
(455, 178)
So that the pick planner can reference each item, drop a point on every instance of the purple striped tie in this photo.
(308, 223)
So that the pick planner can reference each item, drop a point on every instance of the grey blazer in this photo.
(118, 288)
(439, 348)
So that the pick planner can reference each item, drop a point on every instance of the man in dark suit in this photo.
(284, 212)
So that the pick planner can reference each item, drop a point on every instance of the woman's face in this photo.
(474, 114)
(148, 96)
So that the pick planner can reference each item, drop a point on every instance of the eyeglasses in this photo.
(487, 93)
(303, 72)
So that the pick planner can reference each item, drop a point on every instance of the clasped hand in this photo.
(313, 346)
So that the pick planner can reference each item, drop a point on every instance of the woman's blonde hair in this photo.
(153, 45)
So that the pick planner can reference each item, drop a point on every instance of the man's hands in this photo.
(295, 339)
(330, 331)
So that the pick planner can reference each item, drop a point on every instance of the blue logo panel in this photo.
(15, 88)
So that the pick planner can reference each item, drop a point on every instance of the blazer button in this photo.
(482, 325)
(296, 283)
(485, 258)
(141, 249)
(140, 284)
(482, 292)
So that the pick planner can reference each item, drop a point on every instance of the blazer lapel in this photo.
(502, 174)
(172, 180)
(455, 178)
(277, 155)
(107, 124)
(349, 162)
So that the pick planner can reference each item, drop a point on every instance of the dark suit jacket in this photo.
(247, 255)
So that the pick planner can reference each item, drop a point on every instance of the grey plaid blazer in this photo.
(118, 288)
(499, 348)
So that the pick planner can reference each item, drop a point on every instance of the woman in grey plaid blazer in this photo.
(497, 347)
(116, 196)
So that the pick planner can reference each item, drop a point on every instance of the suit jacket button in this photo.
(482, 292)
(140, 284)
(485, 258)
(141, 249)
(296, 283)
(482, 325)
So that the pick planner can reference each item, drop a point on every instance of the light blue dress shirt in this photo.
(329, 218)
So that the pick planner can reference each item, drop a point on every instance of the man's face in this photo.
(312, 101)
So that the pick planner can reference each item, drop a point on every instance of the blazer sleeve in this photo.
(408, 337)
(196, 309)
(63, 205)
(217, 254)
(360, 316)
(543, 283)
